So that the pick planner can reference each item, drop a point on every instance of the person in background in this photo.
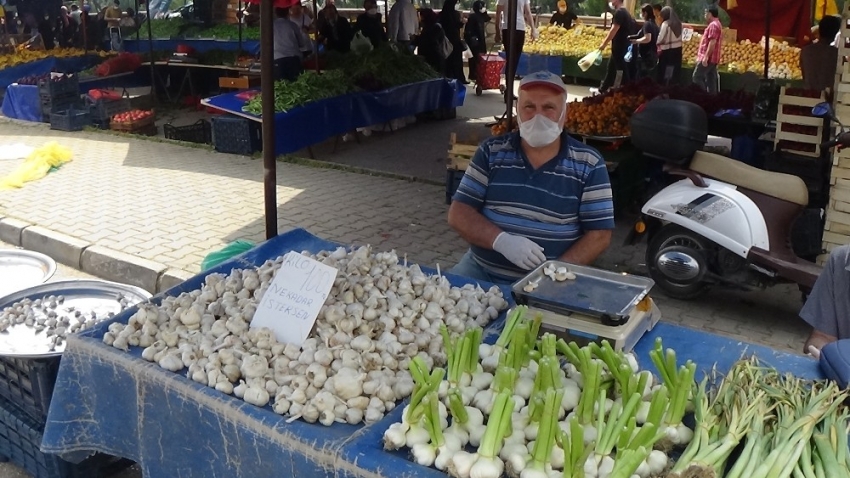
(337, 33)
(818, 60)
(428, 42)
(708, 54)
(64, 27)
(320, 18)
(288, 47)
(669, 48)
(646, 41)
(524, 22)
(300, 16)
(402, 22)
(532, 196)
(252, 14)
(475, 35)
(564, 17)
(622, 25)
(451, 21)
(656, 12)
(128, 20)
(112, 14)
(369, 23)
(75, 13)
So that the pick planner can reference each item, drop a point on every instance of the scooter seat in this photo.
(778, 185)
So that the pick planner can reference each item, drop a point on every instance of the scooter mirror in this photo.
(822, 110)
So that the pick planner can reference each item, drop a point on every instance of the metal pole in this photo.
(239, 19)
(150, 52)
(267, 82)
(766, 38)
(137, 17)
(316, 41)
(511, 51)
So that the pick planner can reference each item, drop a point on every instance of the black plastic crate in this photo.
(453, 178)
(61, 103)
(70, 120)
(232, 134)
(103, 110)
(807, 234)
(199, 132)
(27, 384)
(49, 88)
(20, 442)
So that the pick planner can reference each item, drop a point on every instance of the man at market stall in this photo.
(534, 195)
(622, 25)
(827, 308)
(402, 22)
(289, 46)
(524, 22)
(563, 18)
(708, 54)
(818, 60)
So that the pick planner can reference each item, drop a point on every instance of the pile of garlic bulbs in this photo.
(354, 366)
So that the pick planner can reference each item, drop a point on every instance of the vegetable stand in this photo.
(319, 120)
(116, 402)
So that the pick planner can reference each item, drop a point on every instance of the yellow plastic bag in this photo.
(37, 165)
(592, 58)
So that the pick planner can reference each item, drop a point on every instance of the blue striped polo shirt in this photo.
(552, 205)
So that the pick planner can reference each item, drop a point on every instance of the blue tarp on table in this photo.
(22, 102)
(40, 67)
(319, 120)
(141, 46)
(115, 402)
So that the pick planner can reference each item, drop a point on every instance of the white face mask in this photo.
(541, 131)
(372, 11)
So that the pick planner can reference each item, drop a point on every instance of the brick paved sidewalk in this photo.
(172, 204)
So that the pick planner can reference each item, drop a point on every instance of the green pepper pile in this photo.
(310, 86)
(167, 28)
(382, 68)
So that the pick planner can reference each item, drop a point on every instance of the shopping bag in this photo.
(592, 58)
(229, 251)
(360, 44)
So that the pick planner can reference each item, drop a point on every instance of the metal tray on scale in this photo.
(606, 295)
(20, 269)
(98, 296)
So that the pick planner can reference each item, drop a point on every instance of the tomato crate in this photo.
(20, 442)
(143, 124)
(70, 120)
(50, 88)
(199, 132)
(232, 134)
(27, 384)
(103, 110)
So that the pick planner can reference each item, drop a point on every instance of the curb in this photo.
(90, 258)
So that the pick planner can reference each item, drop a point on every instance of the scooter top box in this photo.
(672, 130)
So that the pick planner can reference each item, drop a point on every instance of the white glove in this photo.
(523, 252)
(535, 34)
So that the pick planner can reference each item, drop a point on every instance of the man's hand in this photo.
(523, 252)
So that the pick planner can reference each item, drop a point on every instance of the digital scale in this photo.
(593, 306)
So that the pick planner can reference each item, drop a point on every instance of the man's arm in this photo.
(709, 50)
(472, 226)
(609, 36)
(588, 248)
(529, 18)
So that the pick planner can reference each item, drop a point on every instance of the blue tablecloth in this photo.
(40, 67)
(141, 46)
(22, 102)
(317, 121)
(117, 403)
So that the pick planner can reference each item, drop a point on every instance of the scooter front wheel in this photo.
(677, 262)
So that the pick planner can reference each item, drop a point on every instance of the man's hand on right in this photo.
(523, 252)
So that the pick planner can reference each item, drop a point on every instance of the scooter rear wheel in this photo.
(677, 262)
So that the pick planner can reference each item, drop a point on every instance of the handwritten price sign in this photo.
(291, 304)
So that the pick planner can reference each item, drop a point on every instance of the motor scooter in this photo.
(726, 223)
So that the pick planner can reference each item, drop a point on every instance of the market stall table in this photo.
(200, 45)
(115, 402)
(187, 76)
(40, 67)
(317, 121)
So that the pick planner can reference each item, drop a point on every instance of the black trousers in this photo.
(513, 60)
(617, 63)
(454, 63)
(476, 49)
(288, 68)
(669, 70)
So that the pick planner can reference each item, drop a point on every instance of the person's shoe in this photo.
(465, 82)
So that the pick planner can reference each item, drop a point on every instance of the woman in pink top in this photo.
(708, 55)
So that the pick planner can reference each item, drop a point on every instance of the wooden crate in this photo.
(142, 125)
(240, 83)
(461, 152)
(798, 119)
